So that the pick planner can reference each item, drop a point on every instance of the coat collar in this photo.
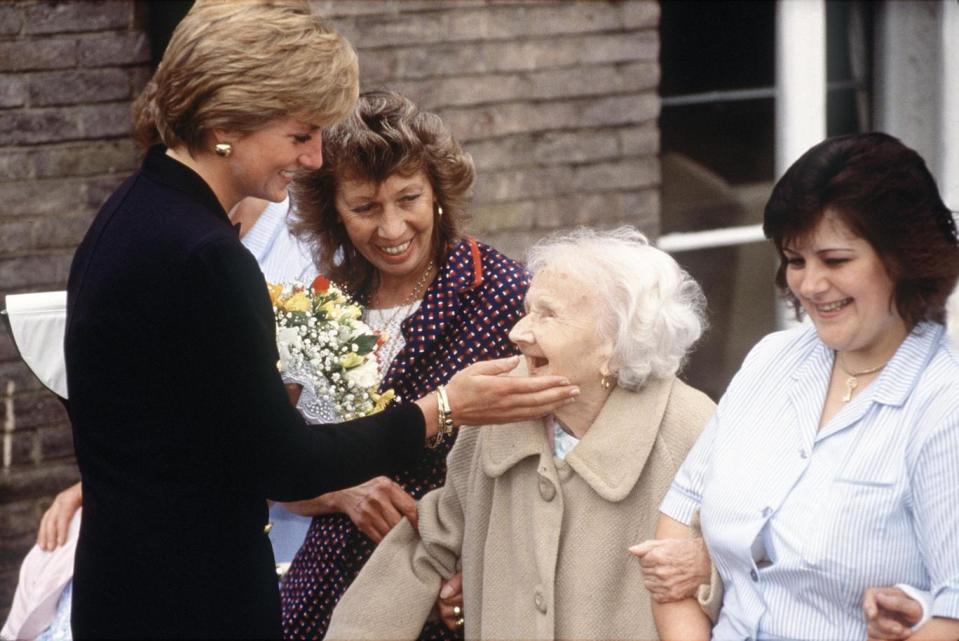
(612, 454)
(172, 173)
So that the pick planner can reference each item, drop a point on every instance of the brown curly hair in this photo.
(387, 134)
(883, 192)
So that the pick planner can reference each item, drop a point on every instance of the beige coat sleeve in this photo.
(709, 595)
(394, 593)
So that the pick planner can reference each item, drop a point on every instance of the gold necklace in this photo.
(852, 382)
(413, 295)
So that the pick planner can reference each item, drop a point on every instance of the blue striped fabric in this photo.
(799, 521)
(281, 256)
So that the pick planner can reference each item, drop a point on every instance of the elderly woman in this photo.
(540, 516)
(384, 216)
(182, 425)
(830, 465)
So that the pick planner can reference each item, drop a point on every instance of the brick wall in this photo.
(67, 74)
(555, 100)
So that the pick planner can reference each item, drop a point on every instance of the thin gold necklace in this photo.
(413, 295)
(852, 382)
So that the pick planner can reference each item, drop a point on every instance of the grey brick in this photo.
(20, 518)
(114, 49)
(16, 371)
(38, 125)
(99, 189)
(15, 237)
(377, 65)
(37, 483)
(523, 183)
(32, 272)
(627, 174)
(640, 141)
(13, 92)
(10, 19)
(640, 14)
(551, 148)
(61, 232)
(56, 443)
(39, 197)
(8, 350)
(24, 449)
(66, 17)
(29, 55)
(111, 120)
(78, 86)
(85, 159)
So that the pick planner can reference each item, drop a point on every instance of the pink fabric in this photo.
(43, 576)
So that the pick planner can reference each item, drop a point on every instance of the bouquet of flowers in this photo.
(323, 344)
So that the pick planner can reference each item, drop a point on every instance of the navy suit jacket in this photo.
(182, 426)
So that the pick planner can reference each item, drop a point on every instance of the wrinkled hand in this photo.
(673, 569)
(376, 506)
(481, 394)
(449, 603)
(55, 522)
(890, 613)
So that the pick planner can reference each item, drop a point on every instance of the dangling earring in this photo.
(439, 210)
(608, 381)
(223, 149)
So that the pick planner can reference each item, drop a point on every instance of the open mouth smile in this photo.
(834, 306)
(395, 250)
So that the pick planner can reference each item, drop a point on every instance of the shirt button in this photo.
(803, 453)
(546, 490)
(767, 511)
(540, 602)
(753, 575)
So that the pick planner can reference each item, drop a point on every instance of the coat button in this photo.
(540, 602)
(546, 490)
(267, 528)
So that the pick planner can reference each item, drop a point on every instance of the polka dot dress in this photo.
(465, 317)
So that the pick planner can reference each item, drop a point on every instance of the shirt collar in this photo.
(158, 166)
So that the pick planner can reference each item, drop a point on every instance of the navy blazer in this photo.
(181, 423)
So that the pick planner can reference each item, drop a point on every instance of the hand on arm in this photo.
(682, 620)
(449, 603)
(55, 522)
(673, 569)
(481, 394)
(375, 507)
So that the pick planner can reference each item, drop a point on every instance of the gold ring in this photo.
(457, 611)
(459, 623)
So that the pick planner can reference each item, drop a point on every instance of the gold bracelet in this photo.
(444, 417)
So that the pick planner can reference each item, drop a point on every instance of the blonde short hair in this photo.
(239, 64)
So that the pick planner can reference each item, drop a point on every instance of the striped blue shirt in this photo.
(800, 521)
(282, 257)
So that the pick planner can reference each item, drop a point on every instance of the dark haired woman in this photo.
(385, 215)
(830, 465)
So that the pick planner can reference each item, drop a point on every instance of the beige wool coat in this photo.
(542, 542)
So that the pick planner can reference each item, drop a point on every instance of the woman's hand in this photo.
(376, 506)
(481, 394)
(55, 522)
(449, 604)
(293, 391)
(673, 569)
(890, 613)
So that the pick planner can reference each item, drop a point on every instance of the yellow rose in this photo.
(382, 400)
(275, 291)
(351, 360)
(330, 308)
(298, 302)
(351, 312)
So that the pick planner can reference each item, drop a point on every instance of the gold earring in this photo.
(223, 149)
(608, 381)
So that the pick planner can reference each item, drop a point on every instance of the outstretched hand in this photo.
(482, 394)
(376, 506)
(55, 522)
(673, 569)
(890, 613)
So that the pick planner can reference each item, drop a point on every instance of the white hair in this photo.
(654, 310)
(952, 316)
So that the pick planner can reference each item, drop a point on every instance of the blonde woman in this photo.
(182, 426)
